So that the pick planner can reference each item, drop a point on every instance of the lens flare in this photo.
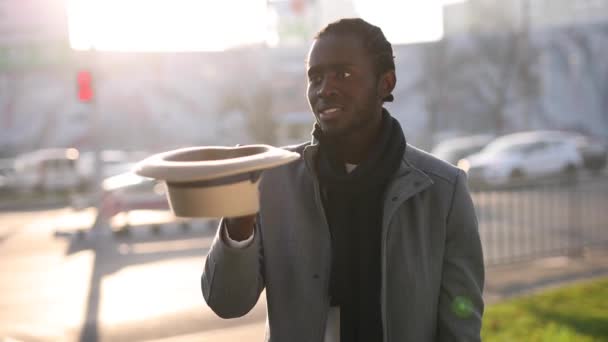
(462, 307)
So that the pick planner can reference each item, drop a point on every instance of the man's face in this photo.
(342, 85)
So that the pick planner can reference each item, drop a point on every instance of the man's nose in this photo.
(327, 88)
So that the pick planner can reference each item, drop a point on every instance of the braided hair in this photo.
(374, 41)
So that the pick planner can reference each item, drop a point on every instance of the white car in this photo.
(127, 191)
(452, 150)
(113, 162)
(519, 156)
(47, 170)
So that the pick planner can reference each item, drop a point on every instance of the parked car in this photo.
(47, 170)
(5, 183)
(593, 151)
(7, 172)
(127, 191)
(113, 162)
(452, 150)
(523, 156)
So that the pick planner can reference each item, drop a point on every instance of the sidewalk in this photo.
(518, 279)
(502, 282)
(245, 332)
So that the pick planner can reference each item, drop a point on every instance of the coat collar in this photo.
(408, 179)
(407, 182)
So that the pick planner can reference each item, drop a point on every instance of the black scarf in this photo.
(353, 203)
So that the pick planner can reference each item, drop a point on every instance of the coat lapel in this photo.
(408, 182)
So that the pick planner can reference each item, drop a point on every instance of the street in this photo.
(144, 286)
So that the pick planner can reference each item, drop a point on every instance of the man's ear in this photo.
(387, 83)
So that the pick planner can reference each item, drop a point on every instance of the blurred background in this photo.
(514, 92)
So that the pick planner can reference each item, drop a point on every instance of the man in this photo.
(365, 238)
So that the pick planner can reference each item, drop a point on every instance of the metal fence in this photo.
(556, 217)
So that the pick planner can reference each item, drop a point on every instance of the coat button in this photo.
(394, 199)
(315, 276)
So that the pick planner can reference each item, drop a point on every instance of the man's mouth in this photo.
(329, 113)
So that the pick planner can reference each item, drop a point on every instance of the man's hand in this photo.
(240, 228)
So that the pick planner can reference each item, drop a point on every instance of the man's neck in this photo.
(355, 147)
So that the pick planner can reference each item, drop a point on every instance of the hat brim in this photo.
(212, 162)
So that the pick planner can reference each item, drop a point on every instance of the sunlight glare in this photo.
(206, 25)
(165, 25)
(402, 21)
(127, 295)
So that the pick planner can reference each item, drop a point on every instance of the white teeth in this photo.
(330, 110)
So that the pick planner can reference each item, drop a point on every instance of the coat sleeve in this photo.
(460, 300)
(232, 277)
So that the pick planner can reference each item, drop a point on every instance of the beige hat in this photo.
(214, 181)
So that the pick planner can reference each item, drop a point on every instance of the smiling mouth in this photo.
(330, 113)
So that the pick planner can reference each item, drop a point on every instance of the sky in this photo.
(212, 25)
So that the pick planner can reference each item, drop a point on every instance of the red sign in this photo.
(85, 86)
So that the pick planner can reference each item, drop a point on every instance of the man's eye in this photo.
(344, 74)
(315, 79)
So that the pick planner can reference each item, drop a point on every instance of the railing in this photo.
(556, 217)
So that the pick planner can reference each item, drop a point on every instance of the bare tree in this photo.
(478, 80)
(261, 121)
(507, 59)
(257, 105)
(584, 50)
(440, 84)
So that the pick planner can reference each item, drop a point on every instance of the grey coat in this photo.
(432, 263)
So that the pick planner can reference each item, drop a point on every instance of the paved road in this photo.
(137, 288)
